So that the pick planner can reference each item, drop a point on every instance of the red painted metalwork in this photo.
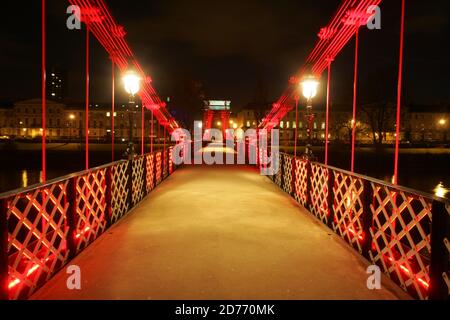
(296, 126)
(112, 37)
(44, 93)
(355, 87)
(361, 210)
(327, 120)
(86, 129)
(142, 130)
(399, 92)
(332, 39)
(151, 132)
(164, 149)
(77, 209)
(113, 75)
(207, 119)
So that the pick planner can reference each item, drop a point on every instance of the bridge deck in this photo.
(219, 233)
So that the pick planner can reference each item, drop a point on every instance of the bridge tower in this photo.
(216, 114)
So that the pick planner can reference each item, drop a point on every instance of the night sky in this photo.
(230, 47)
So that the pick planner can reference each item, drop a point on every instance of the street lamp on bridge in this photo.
(132, 84)
(309, 86)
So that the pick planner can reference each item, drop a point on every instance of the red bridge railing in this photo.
(403, 231)
(45, 226)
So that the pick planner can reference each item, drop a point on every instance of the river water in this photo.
(420, 169)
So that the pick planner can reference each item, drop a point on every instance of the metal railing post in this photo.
(308, 184)
(439, 263)
(108, 197)
(330, 197)
(144, 180)
(4, 250)
(294, 169)
(367, 218)
(72, 217)
(130, 184)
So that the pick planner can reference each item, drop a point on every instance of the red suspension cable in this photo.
(327, 122)
(355, 87)
(44, 93)
(87, 100)
(399, 93)
(142, 130)
(113, 76)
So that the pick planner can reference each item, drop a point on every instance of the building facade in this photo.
(67, 122)
(23, 121)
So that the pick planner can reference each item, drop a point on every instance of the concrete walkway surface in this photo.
(219, 232)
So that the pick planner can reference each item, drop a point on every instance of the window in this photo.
(323, 125)
(287, 124)
(281, 124)
(248, 123)
(315, 125)
(294, 125)
(300, 125)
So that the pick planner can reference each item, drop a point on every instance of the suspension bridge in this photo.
(149, 228)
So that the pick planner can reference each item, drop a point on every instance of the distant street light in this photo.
(442, 122)
(132, 84)
(219, 123)
(309, 86)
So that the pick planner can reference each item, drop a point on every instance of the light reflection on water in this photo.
(441, 191)
(35, 180)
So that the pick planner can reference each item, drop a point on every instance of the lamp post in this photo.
(131, 82)
(309, 86)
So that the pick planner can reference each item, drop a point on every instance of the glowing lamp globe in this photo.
(131, 82)
(309, 87)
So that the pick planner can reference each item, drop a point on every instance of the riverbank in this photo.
(420, 168)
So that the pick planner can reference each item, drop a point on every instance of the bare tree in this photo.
(343, 122)
(380, 116)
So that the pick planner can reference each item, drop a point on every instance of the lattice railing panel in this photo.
(348, 209)
(279, 175)
(90, 207)
(158, 171)
(446, 274)
(165, 164)
(119, 191)
(150, 162)
(319, 192)
(171, 167)
(287, 176)
(401, 238)
(37, 236)
(138, 180)
(301, 181)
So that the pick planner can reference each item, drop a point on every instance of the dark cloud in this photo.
(227, 45)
